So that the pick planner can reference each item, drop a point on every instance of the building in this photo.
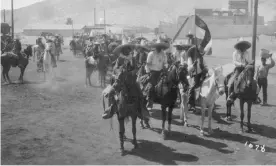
(62, 29)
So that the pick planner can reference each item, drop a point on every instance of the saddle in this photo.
(203, 82)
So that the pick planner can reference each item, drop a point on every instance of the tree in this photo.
(69, 21)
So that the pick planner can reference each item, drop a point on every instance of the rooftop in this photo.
(54, 26)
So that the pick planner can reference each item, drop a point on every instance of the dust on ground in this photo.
(59, 122)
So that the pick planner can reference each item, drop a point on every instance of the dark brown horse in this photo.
(128, 103)
(245, 88)
(166, 91)
(9, 59)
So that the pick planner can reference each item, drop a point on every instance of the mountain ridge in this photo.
(130, 12)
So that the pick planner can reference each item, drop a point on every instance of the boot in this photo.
(109, 112)
(150, 103)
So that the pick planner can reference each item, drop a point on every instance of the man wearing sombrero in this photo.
(240, 59)
(156, 62)
(141, 57)
(196, 67)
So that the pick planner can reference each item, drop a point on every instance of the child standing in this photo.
(262, 73)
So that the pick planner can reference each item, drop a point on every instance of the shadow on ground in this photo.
(159, 153)
(157, 114)
(193, 139)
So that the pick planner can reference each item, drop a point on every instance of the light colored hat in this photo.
(264, 53)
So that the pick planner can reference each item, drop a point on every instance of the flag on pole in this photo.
(201, 31)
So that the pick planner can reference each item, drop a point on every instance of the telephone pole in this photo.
(12, 21)
(4, 15)
(254, 31)
(104, 23)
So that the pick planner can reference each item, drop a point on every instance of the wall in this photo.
(63, 32)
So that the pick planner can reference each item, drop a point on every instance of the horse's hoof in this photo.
(185, 124)
(210, 131)
(164, 135)
(249, 130)
(201, 133)
(241, 131)
(122, 151)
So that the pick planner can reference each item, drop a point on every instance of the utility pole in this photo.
(104, 23)
(4, 15)
(95, 20)
(12, 21)
(254, 31)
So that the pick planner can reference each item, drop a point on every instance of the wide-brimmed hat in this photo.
(125, 44)
(49, 40)
(264, 53)
(190, 35)
(242, 44)
(112, 46)
(160, 44)
(142, 45)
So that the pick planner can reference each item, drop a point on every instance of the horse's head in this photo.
(177, 73)
(120, 79)
(219, 80)
(248, 74)
(28, 50)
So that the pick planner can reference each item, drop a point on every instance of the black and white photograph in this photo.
(138, 82)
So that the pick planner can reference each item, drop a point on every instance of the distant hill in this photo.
(128, 12)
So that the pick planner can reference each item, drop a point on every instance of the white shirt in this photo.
(156, 61)
(183, 58)
(240, 58)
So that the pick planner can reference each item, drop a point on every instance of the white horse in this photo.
(206, 96)
(47, 60)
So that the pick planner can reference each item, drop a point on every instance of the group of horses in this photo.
(129, 102)
(9, 59)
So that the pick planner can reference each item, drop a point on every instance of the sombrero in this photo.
(264, 53)
(112, 45)
(190, 35)
(242, 44)
(49, 40)
(125, 44)
(143, 45)
(160, 44)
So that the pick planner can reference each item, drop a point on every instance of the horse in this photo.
(128, 103)
(210, 90)
(48, 60)
(76, 47)
(166, 91)
(21, 60)
(245, 88)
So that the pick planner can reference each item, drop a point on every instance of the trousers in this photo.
(262, 82)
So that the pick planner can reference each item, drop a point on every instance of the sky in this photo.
(6, 4)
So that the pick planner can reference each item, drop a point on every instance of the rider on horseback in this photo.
(240, 60)
(141, 57)
(156, 63)
(196, 67)
(17, 47)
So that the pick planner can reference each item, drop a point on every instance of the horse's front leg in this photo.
(164, 116)
(203, 106)
(249, 105)
(242, 113)
(210, 115)
(170, 118)
(6, 71)
(22, 70)
(4, 74)
(184, 109)
(134, 141)
(121, 134)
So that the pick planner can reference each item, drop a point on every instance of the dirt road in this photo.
(60, 123)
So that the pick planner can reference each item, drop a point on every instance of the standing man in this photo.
(262, 73)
